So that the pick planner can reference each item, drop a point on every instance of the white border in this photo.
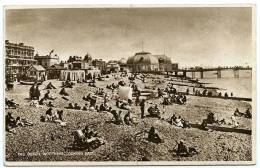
(162, 3)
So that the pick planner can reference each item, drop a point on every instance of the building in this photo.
(100, 64)
(72, 75)
(47, 60)
(146, 62)
(112, 67)
(76, 62)
(36, 73)
(175, 66)
(54, 71)
(18, 58)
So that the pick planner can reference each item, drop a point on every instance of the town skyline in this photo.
(112, 34)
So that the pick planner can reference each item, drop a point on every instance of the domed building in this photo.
(146, 62)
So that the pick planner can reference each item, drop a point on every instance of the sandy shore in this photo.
(35, 144)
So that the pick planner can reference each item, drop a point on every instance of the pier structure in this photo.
(217, 70)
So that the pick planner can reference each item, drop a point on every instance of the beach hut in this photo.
(72, 75)
(36, 72)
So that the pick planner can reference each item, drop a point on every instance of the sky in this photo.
(189, 36)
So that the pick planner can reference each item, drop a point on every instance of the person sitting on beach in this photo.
(211, 118)
(41, 101)
(173, 119)
(166, 101)
(87, 98)
(70, 106)
(117, 117)
(237, 113)
(47, 96)
(9, 122)
(204, 125)
(234, 121)
(60, 114)
(248, 113)
(104, 107)
(76, 106)
(49, 114)
(85, 108)
(50, 104)
(36, 93)
(153, 136)
(67, 84)
(226, 95)
(63, 92)
(89, 133)
(182, 150)
(127, 118)
(220, 94)
(178, 122)
(154, 111)
(50, 86)
(92, 84)
(160, 92)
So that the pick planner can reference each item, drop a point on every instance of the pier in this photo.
(202, 70)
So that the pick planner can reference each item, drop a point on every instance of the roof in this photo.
(143, 58)
(163, 59)
(37, 67)
(56, 66)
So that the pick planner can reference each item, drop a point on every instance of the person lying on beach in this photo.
(63, 92)
(11, 103)
(22, 122)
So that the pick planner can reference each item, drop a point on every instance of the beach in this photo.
(35, 143)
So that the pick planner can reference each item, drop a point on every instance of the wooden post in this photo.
(219, 73)
(193, 74)
(184, 73)
(201, 74)
(236, 73)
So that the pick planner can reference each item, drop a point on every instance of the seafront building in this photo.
(146, 62)
(18, 58)
(47, 60)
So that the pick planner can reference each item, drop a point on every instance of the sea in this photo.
(240, 87)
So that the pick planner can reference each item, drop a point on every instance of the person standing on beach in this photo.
(142, 104)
